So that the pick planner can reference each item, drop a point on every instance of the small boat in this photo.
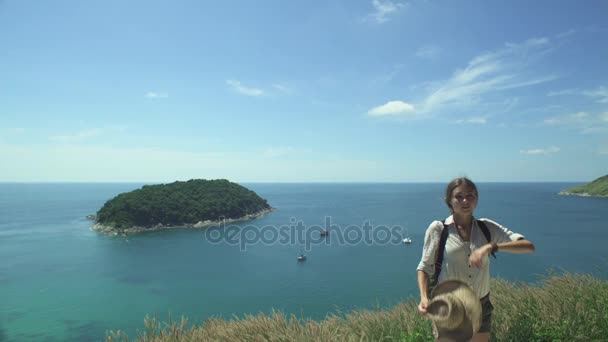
(301, 257)
(407, 241)
(324, 232)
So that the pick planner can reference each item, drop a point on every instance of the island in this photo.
(195, 203)
(598, 187)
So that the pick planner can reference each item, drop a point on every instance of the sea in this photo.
(60, 281)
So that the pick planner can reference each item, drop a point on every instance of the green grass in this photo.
(568, 307)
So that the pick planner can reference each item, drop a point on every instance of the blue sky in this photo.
(303, 91)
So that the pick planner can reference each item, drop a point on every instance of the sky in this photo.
(303, 91)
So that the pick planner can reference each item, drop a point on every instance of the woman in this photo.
(467, 248)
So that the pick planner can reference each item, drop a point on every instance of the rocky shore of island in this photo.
(581, 194)
(112, 231)
(596, 188)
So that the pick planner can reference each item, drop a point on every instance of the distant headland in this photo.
(196, 203)
(598, 187)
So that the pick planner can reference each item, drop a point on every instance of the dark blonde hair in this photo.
(456, 183)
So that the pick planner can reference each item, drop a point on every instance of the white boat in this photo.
(301, 257)
(407, 240)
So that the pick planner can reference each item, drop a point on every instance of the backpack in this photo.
(442, 241)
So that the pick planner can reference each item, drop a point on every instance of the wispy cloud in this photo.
(239, 88)
(505, 68)
(428, 51)
(566, 34)
(283, 88)
(276, 152)
(600, 94)
(564, 92)
(87, 134)
(585, 122)
(17, 130)
(388, 76)
(569, 119)
(119, 128)
(549, 150)
(78, 136)
(156, 95)
(383, 9)
(476, 120)
(393, 108)
(599, 124)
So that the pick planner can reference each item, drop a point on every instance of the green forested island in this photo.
(195, 203)
(598, 187)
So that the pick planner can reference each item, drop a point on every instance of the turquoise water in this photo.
(60, 281)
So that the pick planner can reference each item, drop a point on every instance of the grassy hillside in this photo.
(570, 307)
(598, 187)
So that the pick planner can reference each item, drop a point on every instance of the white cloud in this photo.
(584, 122)
(566, 34)
(276, 152)
(156, 95)
(476, 120)
(283, 88)
(392, 108)
(86, 134)
(552, 149)
(239, 88)
(389, 75)
(78, 136)
(505, 68)
(564, 92)
(531, 82)
(596, 124)
(595, 130)
(328, 82)
(600, 94)
(384, 8)
(428, 51)
(578, 118)
(119, 128)
(553, 121)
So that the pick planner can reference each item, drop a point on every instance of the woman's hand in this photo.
(477, 256)
(424, 303)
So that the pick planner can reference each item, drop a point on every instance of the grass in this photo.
(567, 307)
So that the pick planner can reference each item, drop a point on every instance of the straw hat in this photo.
(455, 310)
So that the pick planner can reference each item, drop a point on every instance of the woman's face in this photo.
(463, 200)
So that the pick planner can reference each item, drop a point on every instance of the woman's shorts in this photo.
(486, 314)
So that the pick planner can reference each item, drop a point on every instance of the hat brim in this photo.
(472, 318)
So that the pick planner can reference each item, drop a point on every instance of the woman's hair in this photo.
(456, 183)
